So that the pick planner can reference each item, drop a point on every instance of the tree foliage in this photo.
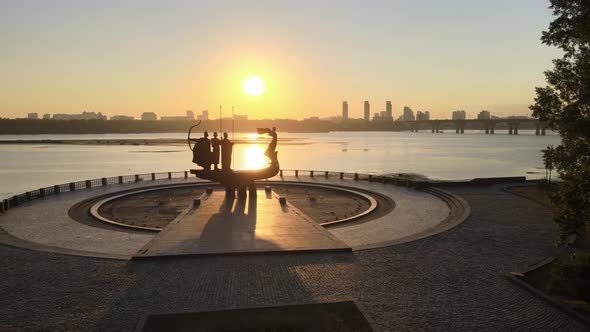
(564, 105)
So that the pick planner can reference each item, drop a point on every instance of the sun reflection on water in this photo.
(252, 157)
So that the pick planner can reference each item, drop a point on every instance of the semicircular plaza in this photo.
(46, 224)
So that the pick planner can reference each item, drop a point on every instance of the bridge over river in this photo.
(460, 125)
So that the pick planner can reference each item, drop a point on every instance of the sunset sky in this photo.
(128, 57)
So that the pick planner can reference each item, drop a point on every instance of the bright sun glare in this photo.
(254, 157)
(253, 86)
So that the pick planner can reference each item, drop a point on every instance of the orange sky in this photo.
(117, 58)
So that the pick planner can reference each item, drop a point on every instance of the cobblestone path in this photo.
(452, 281)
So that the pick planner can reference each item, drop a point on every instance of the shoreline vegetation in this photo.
(40, 127)
(565, 277)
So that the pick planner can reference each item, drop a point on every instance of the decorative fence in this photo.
(94, 183)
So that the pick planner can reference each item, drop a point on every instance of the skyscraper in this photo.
(205, 115)
(408, 114)
(367, 111)
(423, 115)
(388, 109)
(344, 110)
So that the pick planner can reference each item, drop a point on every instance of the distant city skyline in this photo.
(122, 58)
(386, 115)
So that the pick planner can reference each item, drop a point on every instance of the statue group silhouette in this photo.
(206, 152)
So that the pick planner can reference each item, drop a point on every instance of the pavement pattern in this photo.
(451, 281)
(251, 224)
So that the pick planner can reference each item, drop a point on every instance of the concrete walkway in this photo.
(415, 212)
(258, 224)
(46, 225)
(452, 281)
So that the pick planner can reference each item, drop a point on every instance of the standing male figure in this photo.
(216, 145)
(203, 151)
(226, 151)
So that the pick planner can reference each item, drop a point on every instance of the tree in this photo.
(548, 161)
(564, 105)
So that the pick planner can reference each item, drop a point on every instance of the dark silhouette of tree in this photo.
(564, 105)
(548, 161)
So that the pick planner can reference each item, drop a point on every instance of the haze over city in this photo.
(130, 57)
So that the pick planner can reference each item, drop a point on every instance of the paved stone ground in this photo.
(46, 221)
(452, 281)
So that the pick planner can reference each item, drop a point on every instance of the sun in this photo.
(253, 86)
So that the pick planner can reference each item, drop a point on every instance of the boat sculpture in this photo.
(238, 180)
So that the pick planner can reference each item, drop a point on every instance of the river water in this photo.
(25, 167)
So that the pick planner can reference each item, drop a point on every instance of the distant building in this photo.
(484, 115)
(83, 116)
(46, 116)
(32, 116)
(422, 115)
(243, 117)
(408, 114)
(204, 115)
(149, 116)
(388, 109)
(190, 115)
(367, 109)
(344, 110)
(333, 119)
(121, 118)
(459, 115)
(313, 118)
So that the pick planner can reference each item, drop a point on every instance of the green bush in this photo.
(571, 277)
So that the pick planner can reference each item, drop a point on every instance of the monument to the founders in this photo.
(206, 154)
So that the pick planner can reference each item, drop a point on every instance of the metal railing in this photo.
(28, 196)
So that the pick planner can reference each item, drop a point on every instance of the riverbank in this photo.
(151, 141)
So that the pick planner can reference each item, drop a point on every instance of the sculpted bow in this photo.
(189, 135)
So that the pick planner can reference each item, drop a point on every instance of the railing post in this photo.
(169, 175)
(281, 173)
(104, 181)
(136, 177)
(153, 176)
(296, 173)
(186, 174)
(42, 192)
(120, 179)
(72, 186)
(341, 175)
(13, 201)
(370, 178)
(311, 174)
(2, 207)
(28, 195)
(327, 174)
(56, 189)
(356, 176)
(88, 184)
